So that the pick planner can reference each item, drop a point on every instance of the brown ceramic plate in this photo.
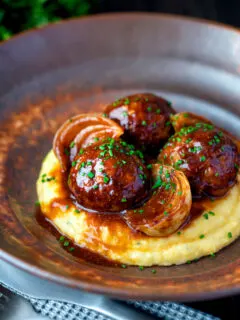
(50, 74)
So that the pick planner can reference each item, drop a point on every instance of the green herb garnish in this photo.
(81, 151)
(66, 243)
(91, 175)
(62, 238)
(203, 158)
(106, 179)
(72, 144)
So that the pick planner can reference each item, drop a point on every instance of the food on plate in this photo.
(145, 118)
(79, 132)
(186, 119)
(109, 177)
(98, 188)
(207, 156)
(168, 207)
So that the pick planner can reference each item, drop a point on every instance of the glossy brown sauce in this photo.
(135, 109)
(72, 248)
(97, 220)
(197, 209)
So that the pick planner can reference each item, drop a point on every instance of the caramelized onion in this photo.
(81, 131)
(168, 207)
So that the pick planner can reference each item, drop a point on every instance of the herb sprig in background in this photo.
(19, 15)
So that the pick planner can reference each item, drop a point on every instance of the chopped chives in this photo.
(81, 151)
(203, 158)
(205, 216)
(66, 243)
(72, 144)
(91, 175)
(106, 179)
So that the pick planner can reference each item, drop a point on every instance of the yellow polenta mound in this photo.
(116, 241)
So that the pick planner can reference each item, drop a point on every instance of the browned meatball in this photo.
(186, 119)
(207, 156)
(144, 117)
(109, 177)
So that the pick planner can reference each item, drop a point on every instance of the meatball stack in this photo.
(144, 150)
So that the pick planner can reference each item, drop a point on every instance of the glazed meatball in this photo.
(207, 156)
(186, 119)
(144, 117)
(109, 177)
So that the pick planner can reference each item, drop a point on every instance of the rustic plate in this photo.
(50, 74)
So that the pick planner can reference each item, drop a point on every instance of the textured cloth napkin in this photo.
(161, 310)
(166, 310)
(36, 291)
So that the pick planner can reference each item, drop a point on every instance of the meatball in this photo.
(109, 177)
(144, 117)
(186, 119)
(208, 157)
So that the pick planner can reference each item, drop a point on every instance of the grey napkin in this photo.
(166, 310)
(57, 310)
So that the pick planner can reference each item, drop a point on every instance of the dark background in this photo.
(225, 11)
(19, 15)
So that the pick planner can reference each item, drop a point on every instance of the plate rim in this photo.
(102, 288)
(166, 16)
(119, 293)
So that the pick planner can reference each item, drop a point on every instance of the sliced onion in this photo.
(168, 207)
(78, 132)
